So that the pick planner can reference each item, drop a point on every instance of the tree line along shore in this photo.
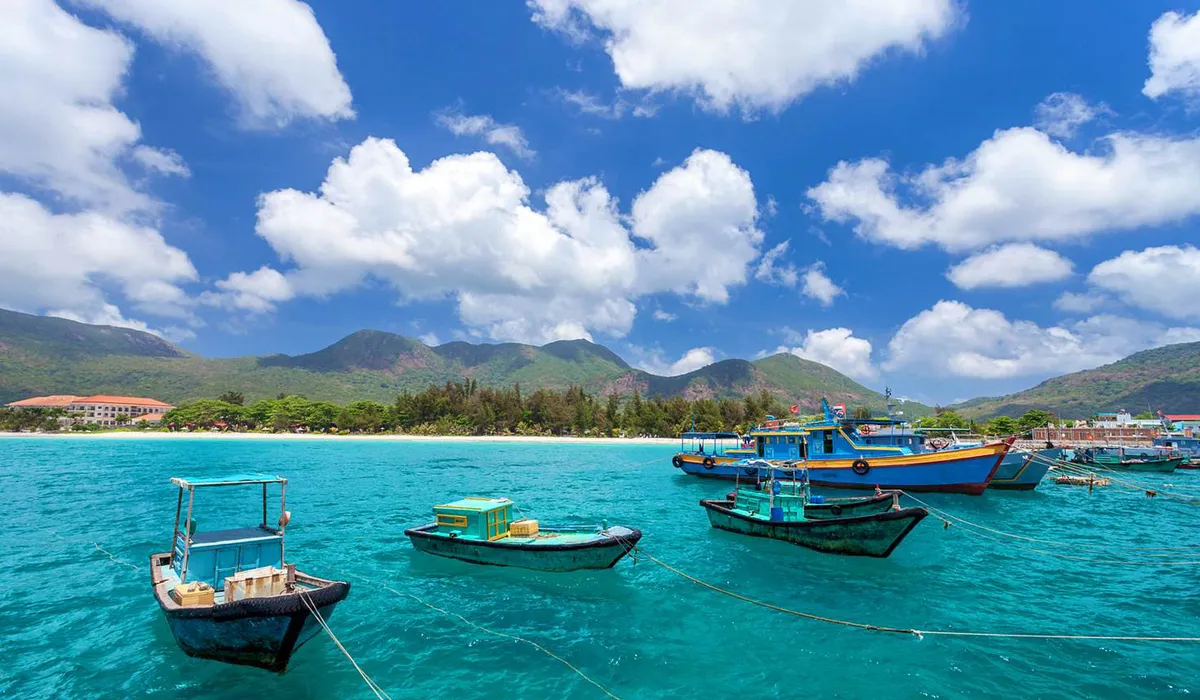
(464, 409)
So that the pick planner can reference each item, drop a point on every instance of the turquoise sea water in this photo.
(75, 624)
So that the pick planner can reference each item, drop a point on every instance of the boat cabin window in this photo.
(828, 442)
(760, 442)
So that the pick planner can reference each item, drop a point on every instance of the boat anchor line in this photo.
(919, 634)
(1148, 552)
(379, 692)
(1073, 468)
(493, 632)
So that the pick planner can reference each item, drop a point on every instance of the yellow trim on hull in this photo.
(876, 462)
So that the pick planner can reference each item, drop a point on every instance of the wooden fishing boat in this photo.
(1119, 459)
(482, 531)
(229, 595)
(838, 456)
(781, 513)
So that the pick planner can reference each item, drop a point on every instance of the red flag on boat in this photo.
(794, 409)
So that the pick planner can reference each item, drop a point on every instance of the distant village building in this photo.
(101, 409)
(1183, 421)
(1124, 419)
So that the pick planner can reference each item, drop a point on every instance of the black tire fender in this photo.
(709, 463)
(835, 509)
(860, 467)
(677, 462)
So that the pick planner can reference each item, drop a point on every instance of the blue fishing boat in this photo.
(778, 509)
(228, 594)
(839, 455)
(1020, 470)
(1185, 443)
(482, 531)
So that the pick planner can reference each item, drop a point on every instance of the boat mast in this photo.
(187, 535)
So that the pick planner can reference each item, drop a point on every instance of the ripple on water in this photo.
(77, 625)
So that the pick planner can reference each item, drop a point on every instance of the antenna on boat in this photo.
(887, 397)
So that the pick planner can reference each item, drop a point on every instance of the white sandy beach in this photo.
(204, 435)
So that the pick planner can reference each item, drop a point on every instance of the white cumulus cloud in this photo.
(753, 54)
(161, 160)
(508, 135)
(1073, 302)
(1062, 113)
(1012, 265)
(837, 348)
(817, 285)
(463, 228)
(62, 264)
(1164, 279)
(1174, 56)
(772, 269)
(955, 339)
(1019, 185)
(271, 55)
(652, 361)
(59, 129)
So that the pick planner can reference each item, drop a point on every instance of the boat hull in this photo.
(1023, 471)
(601, 553)
(259, 632)
(1158, 466)
(875, 535)
(966, 470)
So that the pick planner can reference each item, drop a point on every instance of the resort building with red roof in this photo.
(102, 409)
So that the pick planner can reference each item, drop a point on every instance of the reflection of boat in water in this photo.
(779, 510)
(228, 595)
(837, 455)
(482, 531)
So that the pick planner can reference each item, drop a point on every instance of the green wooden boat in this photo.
(1120, 459)
(783, 513)
(482, 531)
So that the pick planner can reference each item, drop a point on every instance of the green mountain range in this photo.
(1163, 379)
(41, 355)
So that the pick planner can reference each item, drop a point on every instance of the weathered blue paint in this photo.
(259, 632)
(262, 630)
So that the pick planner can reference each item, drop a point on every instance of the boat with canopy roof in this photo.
(841, 452)
(229, 594)
(482, 531)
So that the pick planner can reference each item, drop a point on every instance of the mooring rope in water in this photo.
(513, 637)
(115, 558)
(379, 692)
(1112, 474)
(919, 634)
(1150, 552)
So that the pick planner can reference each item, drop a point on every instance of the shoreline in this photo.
(205, 435)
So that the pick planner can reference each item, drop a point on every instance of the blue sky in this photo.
(950, 198)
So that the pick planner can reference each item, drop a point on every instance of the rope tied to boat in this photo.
(306, 598)
(1080, 470)
(506, 635)
(919, 634)
(1191, 555)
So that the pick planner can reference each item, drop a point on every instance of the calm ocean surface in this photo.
(74, 624)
